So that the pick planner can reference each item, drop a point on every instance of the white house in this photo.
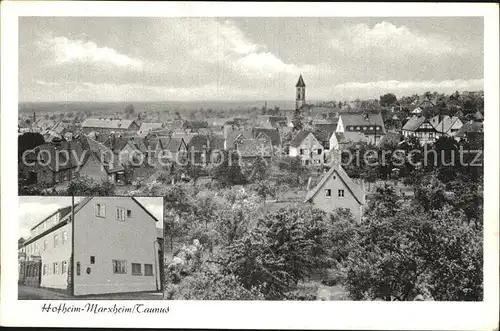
(308, 147)
(369, 124)
(421, 128)
(337, 191)
(115, 249)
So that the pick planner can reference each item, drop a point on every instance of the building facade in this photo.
(308, 148)
(115, 248)
(336, 191)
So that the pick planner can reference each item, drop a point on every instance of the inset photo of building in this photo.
(90, 247)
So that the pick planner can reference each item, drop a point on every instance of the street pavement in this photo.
(33, 293)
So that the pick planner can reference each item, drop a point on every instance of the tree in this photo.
(298, 119)
(210, 284)
(436, 255)
(265, 188)
(86, 186)
(258, 169)
(284, 248)
(229, 173)
(129, 109)
(28, 141)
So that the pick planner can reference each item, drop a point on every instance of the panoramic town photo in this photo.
(298, 158)
(113, 250)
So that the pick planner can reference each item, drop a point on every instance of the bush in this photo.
(208, 284)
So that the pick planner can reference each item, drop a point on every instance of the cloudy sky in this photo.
(154, 59)
(32, 210)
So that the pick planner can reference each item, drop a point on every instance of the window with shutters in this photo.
(341, 193)
(55, 268)
(64, 267)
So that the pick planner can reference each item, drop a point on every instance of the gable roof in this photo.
(104, 154)
(254, 147)
(391, 138)
(337, 168)
(478, 115)
(234, 135)
(323, 131)
(299, 137)
(167, 143)
(107, 124)
(446, 123)
(413, 123)
(74, 149)
(272, 134)
(186, 136)
(350, 137)
(65, 211)
(148, 127)
(469, 127)
(362, 119)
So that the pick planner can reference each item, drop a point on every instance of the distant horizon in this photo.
(243, 59)
(234, 101)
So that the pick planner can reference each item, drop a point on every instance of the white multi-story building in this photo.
(116, 248)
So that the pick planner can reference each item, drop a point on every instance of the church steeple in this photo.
(300, 97)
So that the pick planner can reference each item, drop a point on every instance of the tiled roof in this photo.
(360, 119)
(104, 154)
(337, 168)
(468, 127)
(108, 124)
(273, 135)
(183, 135)
(413, 123)
(232, 136)
(57, 158)
(148, 127)
(299, 137)
(254, 147)
(350, 137)
(324, 131)
(391, 138)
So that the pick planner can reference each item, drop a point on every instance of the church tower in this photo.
(300, 97)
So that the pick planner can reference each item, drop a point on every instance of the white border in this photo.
(302, 315)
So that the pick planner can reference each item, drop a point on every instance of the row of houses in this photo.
(427, 130)
(312, 146)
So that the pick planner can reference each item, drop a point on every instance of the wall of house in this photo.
(334, 143)
(330, 204)
(108, 239)
(308, 145)
(94, 169)
(456, 126)
(51, 254)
